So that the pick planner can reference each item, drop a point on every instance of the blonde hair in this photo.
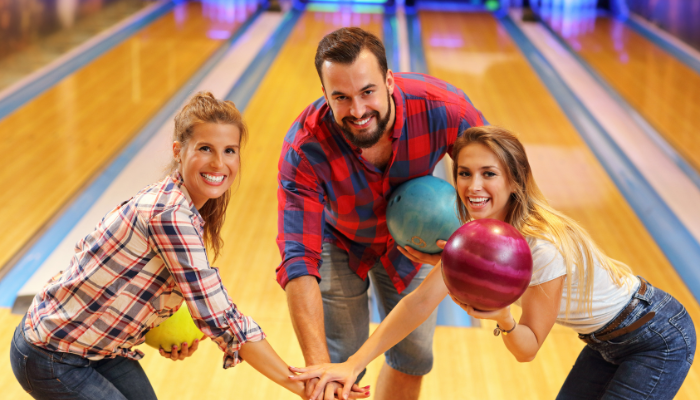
(204, 108)
(531, 214)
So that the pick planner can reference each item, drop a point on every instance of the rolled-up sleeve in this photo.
(173, 236)
(300, 222)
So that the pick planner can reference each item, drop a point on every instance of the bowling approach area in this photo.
(604, 100)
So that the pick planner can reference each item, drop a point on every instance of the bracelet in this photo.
(498, 329)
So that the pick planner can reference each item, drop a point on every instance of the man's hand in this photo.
(420, 257)
(184, 351)
(334, 391)
(309, 387)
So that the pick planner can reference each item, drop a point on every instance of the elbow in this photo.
(525, 358)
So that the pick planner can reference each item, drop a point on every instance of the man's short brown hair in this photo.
(344, 46)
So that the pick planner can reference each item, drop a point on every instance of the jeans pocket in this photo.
(684, 324)
(18, 360)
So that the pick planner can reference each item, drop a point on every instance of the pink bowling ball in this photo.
(487, 264)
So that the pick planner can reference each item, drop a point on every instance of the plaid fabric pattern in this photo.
(327, 192)
(132, 273)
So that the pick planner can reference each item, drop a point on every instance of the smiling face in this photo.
(360, 98)
(209, 161)
(482, 183)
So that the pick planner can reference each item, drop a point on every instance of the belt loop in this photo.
(645, 291)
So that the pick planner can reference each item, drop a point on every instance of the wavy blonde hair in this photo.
(531, 214)
(202, 108)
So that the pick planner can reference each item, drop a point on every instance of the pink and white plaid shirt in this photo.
(132, 273)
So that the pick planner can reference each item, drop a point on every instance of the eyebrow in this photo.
(369, 86)
(211, 145)
(484, 167)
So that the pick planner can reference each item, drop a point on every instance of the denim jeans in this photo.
(52, 375)
(650, 362)
(346, 313)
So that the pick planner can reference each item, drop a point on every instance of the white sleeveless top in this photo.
(608, 298)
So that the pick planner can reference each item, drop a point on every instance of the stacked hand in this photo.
(330, 381)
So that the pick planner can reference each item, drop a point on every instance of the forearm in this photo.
(261, 356)
(521, 342)
(408, 314)
(306, 310)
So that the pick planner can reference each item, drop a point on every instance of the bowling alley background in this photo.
(605, 95)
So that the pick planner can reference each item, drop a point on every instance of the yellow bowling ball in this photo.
(178, 329)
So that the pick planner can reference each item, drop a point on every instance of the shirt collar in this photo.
(399, 112)
(178, 180)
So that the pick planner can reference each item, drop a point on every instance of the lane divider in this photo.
(645, 126)
(250, 80)
(684, 53)
(38, 82)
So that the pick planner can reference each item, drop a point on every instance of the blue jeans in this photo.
(346, 313)
(650, 362)
(52, 375)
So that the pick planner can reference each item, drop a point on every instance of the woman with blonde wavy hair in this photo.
(640, 340)
(145, 259)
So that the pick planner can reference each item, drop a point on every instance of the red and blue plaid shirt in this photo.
(328, 192)
(132, 273)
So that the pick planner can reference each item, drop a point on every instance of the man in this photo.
(371, 131)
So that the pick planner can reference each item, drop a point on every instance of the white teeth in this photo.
(212, 178)
(362, 122)
(477, 200)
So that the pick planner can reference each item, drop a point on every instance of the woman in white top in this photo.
(641, 341)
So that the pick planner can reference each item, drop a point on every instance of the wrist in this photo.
(356, 362)
(505, 329)
(296, 387)
(317, 360)
(507, 324)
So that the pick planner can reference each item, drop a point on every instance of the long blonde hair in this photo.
(204, 108)
(531, 214)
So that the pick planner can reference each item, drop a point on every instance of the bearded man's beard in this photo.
(367, 139)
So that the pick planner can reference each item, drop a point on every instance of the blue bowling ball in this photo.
(422, 211)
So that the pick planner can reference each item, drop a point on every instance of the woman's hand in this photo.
(184, 351)
(345, 373)
(420, 257)
(502, 317)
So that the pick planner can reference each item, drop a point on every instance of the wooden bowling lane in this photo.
(250, 254)
(474, 53)
(664, 90)
(57, 142)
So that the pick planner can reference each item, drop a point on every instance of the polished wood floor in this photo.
(472, 52)
(661, 88)
(57, 142)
